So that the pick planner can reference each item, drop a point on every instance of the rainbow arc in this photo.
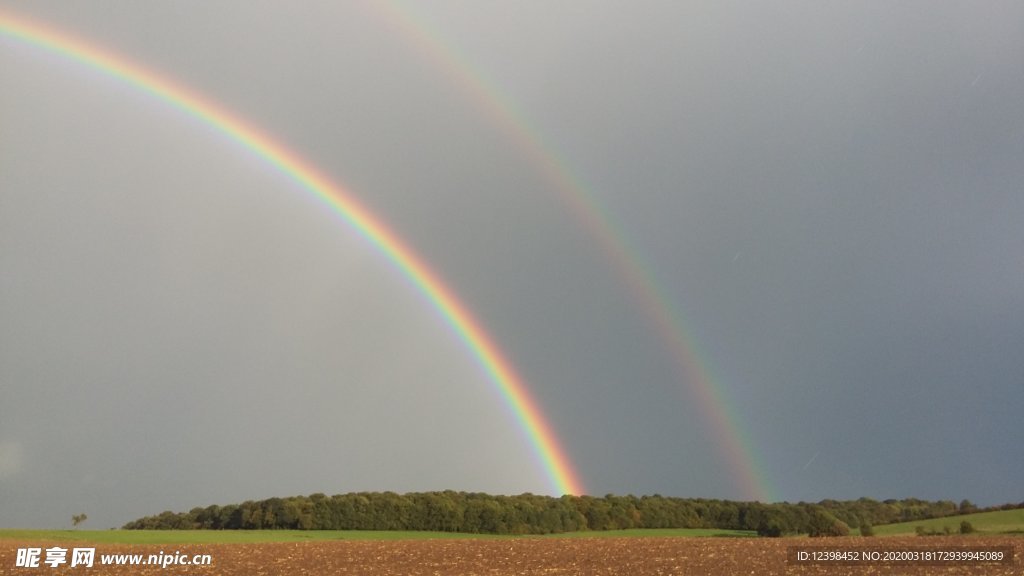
(513, 390)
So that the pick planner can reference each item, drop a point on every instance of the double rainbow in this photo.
(513, 390)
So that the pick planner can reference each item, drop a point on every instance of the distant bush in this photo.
(966, 527)
(946, 531)
(840, 528)
(866, 529)
(967, 507)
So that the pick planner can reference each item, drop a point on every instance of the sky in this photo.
(734, 251)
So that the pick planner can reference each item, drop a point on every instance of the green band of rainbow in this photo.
(513, 390)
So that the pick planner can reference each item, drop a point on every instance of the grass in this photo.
(989, 523)
(258, 536)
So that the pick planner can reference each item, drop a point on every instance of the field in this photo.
(998, 522)
(633, 555)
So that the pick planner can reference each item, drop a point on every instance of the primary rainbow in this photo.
(734, 443)
(557, 466)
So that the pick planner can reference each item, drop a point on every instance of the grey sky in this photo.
(830, 195)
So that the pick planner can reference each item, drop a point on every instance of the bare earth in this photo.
(522, 556)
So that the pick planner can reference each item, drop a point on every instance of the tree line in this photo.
(469, 512)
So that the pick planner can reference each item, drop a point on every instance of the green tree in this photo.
(772, 523)
(824, 524)
(598, 516)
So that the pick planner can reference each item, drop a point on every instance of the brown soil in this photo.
(522, 556)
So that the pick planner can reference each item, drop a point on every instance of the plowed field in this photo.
(517, 556)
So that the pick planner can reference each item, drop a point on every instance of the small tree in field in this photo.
(78, 519)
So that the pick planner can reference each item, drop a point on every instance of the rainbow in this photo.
(735, 446)
(559, 470)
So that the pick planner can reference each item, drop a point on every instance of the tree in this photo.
(78, 519)
(823, 523)
(771, 525)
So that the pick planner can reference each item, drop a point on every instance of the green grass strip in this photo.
(984, 523)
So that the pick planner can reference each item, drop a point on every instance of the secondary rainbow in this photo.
(513, 390)
(735, 446)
